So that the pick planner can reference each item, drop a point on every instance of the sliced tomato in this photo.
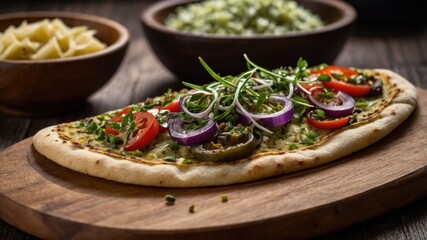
(328, 124)
(110, 130)
(336, 69)
(146, 129)
(355, 90)
(173, 107)
(118, 118)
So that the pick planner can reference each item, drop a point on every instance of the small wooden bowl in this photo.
(47, 87)
(178, 50)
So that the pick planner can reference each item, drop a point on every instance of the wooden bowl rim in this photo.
(147, 18)
(120, 43)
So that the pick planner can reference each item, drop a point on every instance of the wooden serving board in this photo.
(49, 201)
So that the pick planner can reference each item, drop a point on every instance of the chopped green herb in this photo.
(300, 107)
(320, 113)
(320, 66)
(312, 135)
(357, 79)
(317, 114)
(149, 106)
(170, 199)
(111, 141)
(152, 156)
(328, 95)
(193, 86)
(174, 146)
(261, 99)
(363, 103)
(197, 124)
(292, 146)
(114, 125)
(229, 126)
(197, 96)
(338, 76)
(126, 121)
(92, 127)
(100, 118)
(307, 141)
(170, 159)
(302, 64)
(187, 161)
(279, 134)
(224, 198)
(125, 153)
(324, 78)
(101, 135)
(191, 209)
(138, 153)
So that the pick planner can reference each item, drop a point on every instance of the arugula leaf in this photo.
(216, 76)
(126, 120)
(129, 131)
(261, 99)
(302, 64)
(193, 86)
(300, 105)
(111, 141)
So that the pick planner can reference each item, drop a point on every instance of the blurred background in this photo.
(393, 12)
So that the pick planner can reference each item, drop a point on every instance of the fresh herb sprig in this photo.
(252, 88)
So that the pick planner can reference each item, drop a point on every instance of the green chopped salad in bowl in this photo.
(274, 32)
(243, 17)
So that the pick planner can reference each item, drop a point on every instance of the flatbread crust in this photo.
(345, 142)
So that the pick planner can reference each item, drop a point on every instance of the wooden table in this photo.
(399, 48)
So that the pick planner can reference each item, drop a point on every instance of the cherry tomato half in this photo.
(146, 130)
(355, 90)
(173, 107)
(328, 124)
(336, 69)
(118, 118)
(351, 89)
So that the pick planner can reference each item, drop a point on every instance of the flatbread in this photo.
(342, 143)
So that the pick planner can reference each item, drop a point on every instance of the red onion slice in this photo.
(345, 109)
(189, 137)
(270, 120)
(243, 119)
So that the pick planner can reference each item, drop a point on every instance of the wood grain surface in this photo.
(401, 48)
(53, 202)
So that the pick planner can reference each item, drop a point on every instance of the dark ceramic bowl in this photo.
(47, 87)
(178, 50)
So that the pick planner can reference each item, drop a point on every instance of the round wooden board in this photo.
(49, 201)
